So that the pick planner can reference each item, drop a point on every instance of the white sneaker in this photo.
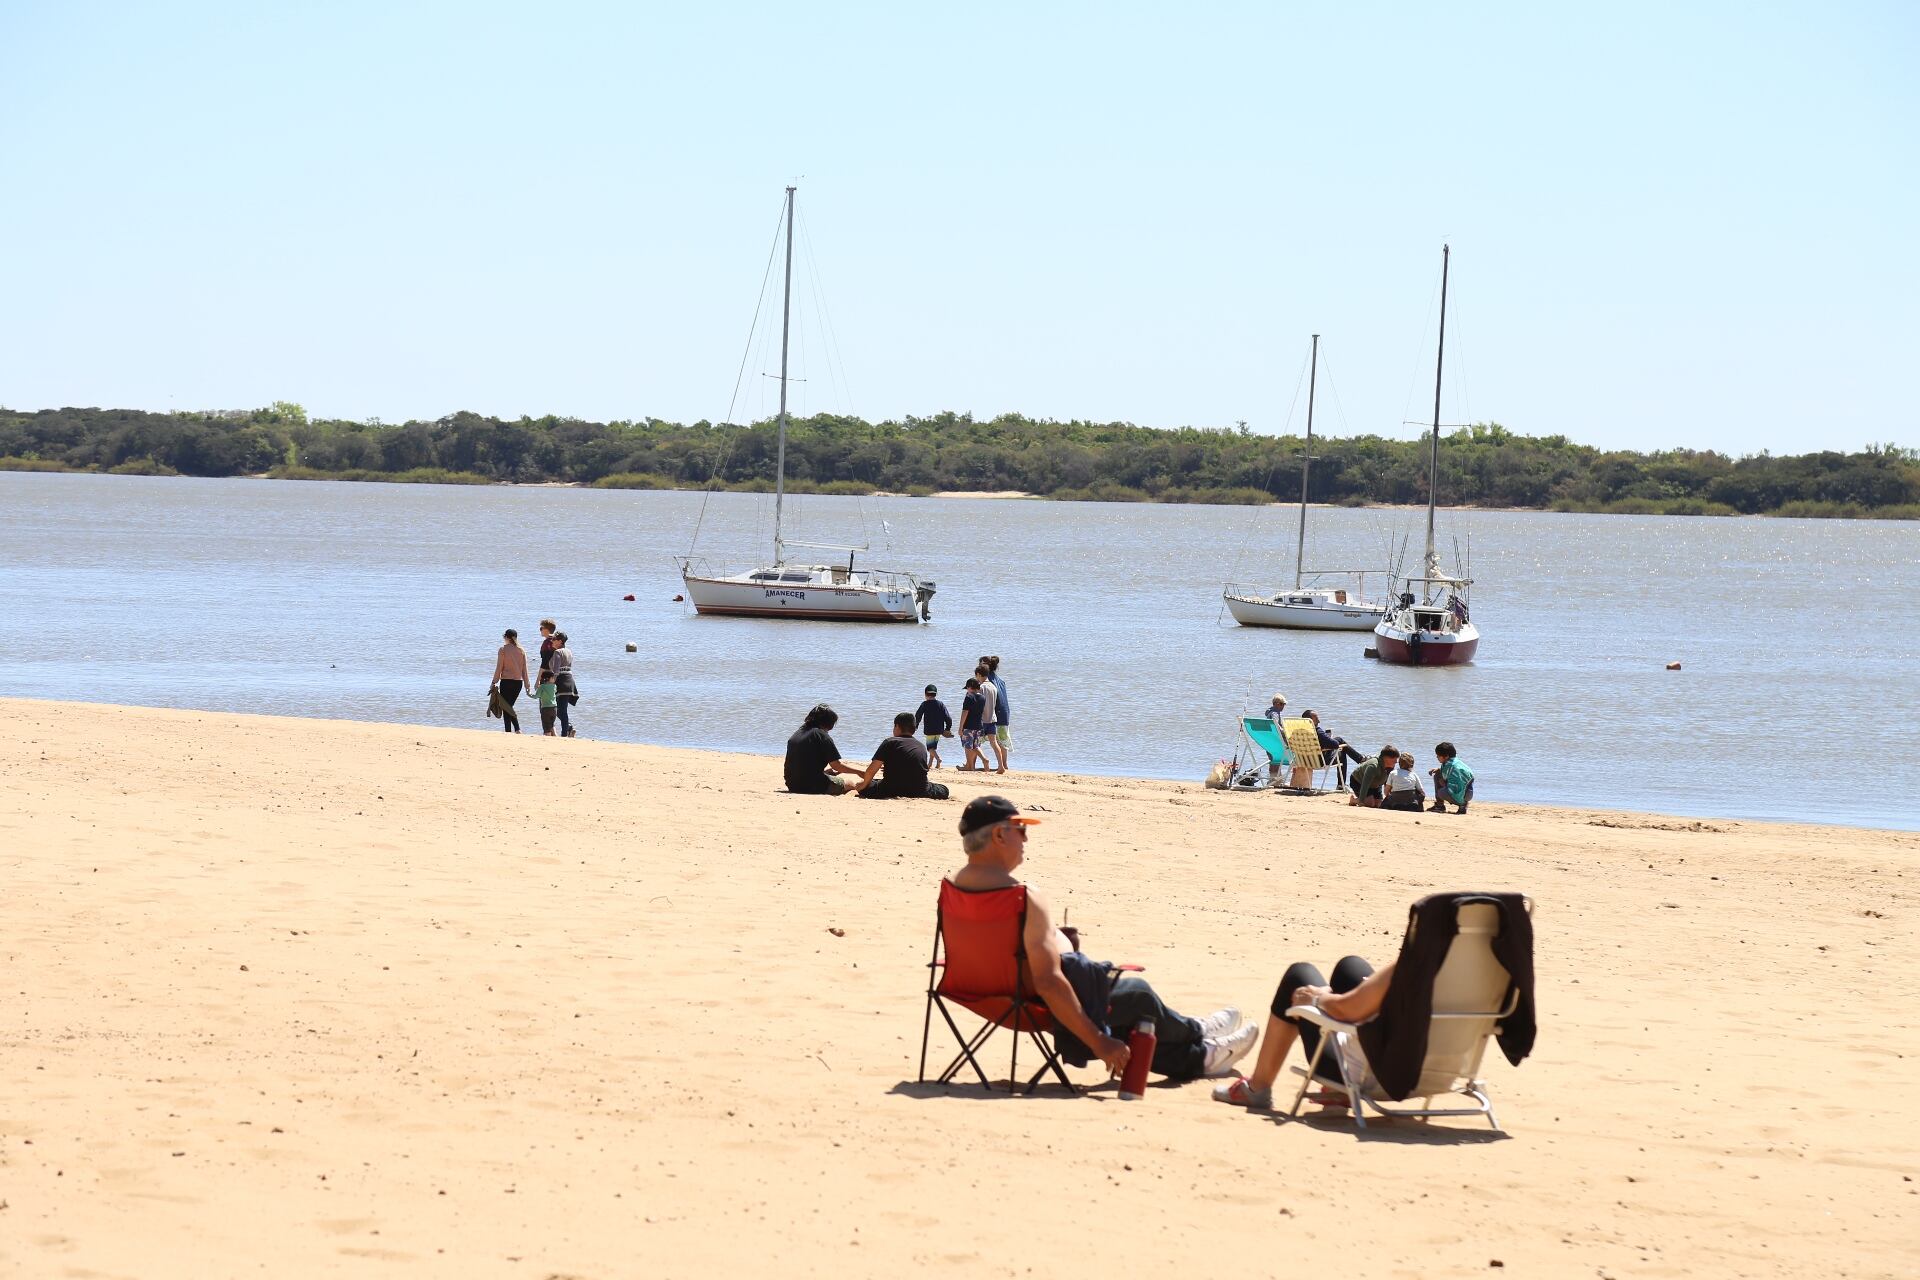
(1224, 1051)
(1215, 1025)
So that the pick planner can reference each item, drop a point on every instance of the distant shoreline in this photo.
(1628, 508)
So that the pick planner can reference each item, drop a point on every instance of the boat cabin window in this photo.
(796, 577)
(765, 575)
(1430, 621)
(839, 573)
(1339, 597)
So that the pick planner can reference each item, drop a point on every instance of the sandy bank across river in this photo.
(302, 997)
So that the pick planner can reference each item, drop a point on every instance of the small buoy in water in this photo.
(632, 647)
(676, 599)
(629, 596)
(1673, 666)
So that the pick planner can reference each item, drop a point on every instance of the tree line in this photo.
(1482, 465)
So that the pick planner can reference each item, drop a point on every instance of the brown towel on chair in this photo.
(1396, 1040)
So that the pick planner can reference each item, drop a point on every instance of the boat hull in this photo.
(1252, 612)
(726, 598)
(1434, 649)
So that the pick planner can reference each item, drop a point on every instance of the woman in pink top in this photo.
(510, 677)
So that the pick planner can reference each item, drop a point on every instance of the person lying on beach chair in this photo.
(1414, 1028)
(1087, 1004)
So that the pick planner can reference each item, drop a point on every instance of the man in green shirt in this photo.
(1369, 781)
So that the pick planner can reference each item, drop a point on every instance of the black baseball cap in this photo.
(984, 811)
(931, 691)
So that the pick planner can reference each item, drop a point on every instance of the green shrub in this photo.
(634, 480)
(36, 464)
(142, 467)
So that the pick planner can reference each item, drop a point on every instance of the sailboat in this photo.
(824, 592)
(1306, 608)
(1430, 625)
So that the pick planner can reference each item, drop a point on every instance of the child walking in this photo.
(936, 722)
(549, 695)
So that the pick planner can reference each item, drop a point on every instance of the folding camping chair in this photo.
(984, 971)
(1472, 992)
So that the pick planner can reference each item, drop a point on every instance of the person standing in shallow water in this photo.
(509, 678)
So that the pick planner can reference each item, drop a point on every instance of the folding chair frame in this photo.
(1336, 1033)
(1019, 1017)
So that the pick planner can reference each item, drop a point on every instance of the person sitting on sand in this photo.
(1403, 787)
(1452, 780)
(901, 762)
(993, 835)
(812, 758)
(1369, 783)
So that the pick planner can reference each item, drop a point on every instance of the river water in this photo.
(1796, 698)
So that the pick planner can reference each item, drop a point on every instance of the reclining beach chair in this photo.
(1265, 754)
(1303, 744)
(984, 971)
(1436, 1026)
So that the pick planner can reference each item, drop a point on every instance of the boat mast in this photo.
(1306, 460)
(1433, 460)
(780, 473)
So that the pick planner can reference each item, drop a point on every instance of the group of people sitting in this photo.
(1389, 780)
(897, 771)
(1093, 1010)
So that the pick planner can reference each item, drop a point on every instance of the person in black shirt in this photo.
(972, 708)
(901, 762)
(813, 759)
(1334, 748)
(935, 721)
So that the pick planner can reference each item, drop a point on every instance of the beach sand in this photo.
(303, 997)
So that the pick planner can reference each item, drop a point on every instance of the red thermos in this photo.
(1140, 1046)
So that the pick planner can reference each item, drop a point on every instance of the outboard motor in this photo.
(923, 595)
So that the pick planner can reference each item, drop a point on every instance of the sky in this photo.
(1672, 225)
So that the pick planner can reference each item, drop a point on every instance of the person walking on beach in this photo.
(1002, 716)
(547, 628)
(971, 708)
(989, 717)
(567, 693)
(935, 721)
(549, 696)
(509, 678)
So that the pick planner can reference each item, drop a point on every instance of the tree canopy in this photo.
(1481, 465)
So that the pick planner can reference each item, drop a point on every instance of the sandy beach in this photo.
(304, 997)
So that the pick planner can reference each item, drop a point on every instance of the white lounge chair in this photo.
(1470, 997)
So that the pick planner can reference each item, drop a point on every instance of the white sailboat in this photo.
(824, 592)
(1430, 625)
(1315, 607)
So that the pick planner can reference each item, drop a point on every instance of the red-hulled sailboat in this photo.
(1430, 626)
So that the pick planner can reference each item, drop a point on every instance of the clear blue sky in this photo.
(1672, 224)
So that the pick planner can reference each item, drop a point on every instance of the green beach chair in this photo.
(1265, 754)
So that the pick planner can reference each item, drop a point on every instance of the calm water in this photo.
(385, 602)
